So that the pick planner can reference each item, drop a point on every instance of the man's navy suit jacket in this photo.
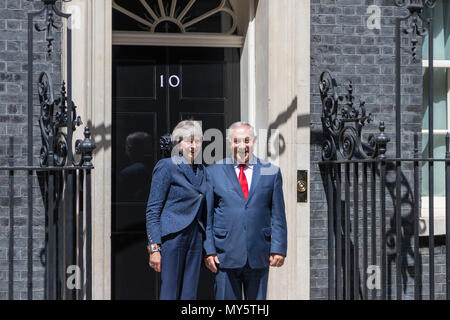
(240, 230)
(177, 197)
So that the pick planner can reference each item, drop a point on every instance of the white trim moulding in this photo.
(139, 38)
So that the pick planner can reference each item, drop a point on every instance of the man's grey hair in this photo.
(239, 124)
(186, 128)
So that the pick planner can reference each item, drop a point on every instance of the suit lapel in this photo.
(231, 173)
(229, 170)
(186, 169)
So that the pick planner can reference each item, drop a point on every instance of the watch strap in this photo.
(154, 247)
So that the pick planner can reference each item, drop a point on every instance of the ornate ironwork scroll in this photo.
(342, 125)
(416, 26)
(50, 25)
(58, 118)
(53, 118)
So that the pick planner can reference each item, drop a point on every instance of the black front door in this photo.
(153, 89)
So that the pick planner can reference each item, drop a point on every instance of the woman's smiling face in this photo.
(190, 147)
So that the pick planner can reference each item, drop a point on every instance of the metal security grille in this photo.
(365, 260)
(64, 181)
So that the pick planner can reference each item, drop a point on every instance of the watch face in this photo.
(154, 247)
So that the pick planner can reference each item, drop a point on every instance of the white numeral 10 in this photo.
(174, 81)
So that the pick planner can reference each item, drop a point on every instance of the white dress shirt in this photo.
(248, 171)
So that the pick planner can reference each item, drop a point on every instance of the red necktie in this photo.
(243, 180)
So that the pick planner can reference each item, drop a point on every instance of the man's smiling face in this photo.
(242, 143)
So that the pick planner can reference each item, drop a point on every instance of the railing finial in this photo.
(85, 148)
(382, 141)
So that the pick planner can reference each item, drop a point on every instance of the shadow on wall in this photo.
(407, 227)
(99, 134)
(281, 119)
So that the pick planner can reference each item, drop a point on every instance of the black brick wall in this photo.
(342, 43)
(14, 125)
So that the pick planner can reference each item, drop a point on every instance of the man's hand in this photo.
(211, 261)
(155, 261)
(276, 260)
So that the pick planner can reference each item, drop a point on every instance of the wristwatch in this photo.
(154, 247)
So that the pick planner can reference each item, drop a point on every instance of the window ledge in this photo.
(436, 63)
(424, 226)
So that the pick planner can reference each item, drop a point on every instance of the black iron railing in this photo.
(63, 176)
(359, 244)
(374, 230)
(355, 178)
(67, 202)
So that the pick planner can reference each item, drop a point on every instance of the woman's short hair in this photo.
(186, 128)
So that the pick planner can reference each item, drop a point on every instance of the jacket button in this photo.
(200, 194)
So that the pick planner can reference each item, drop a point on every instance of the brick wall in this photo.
(13, 125)
(342, 43)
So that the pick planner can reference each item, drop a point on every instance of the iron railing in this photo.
(68, 219)
(374, 228)
(359, 245)
(64, 179)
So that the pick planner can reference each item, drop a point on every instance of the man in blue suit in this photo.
(246, 223)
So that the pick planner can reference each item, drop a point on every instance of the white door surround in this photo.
(274, 41)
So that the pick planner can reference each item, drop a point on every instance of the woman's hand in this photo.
(155, 261)
(211, 261)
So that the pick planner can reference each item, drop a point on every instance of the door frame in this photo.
(271, 76)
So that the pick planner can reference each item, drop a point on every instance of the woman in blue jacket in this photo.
(174, 214)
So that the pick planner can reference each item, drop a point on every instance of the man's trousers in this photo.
(242, 283)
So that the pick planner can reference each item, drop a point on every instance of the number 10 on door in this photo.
(174, 81)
